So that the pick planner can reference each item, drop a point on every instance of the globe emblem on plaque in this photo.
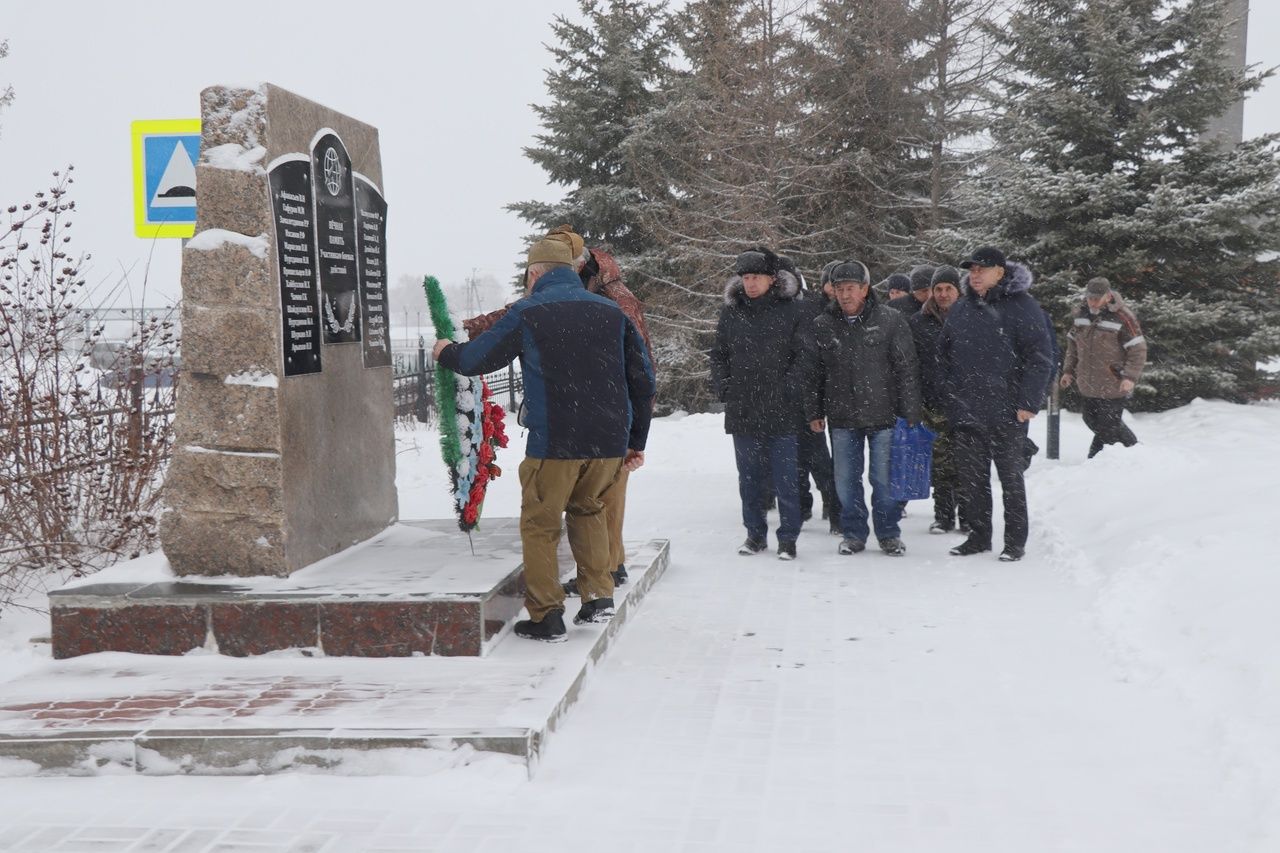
(332, 172)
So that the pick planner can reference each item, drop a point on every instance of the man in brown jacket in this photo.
(1105, 356)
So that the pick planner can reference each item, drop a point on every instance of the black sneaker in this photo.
(963, 529)
(941, 527)
(851, 546)
(786, 550)
(970, 546)
(550, 629)
(620, 575)
(600, 610)
(893, 547)
(835, 527)
(752, 546)
(1012, 554)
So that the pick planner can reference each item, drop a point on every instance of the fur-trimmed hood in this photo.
(785, 286)
(1017, 278)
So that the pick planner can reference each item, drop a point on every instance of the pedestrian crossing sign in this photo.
(165, 153)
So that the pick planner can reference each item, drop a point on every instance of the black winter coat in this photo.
(926, 330)
(996, 355)
(865, 373)
(908, 305)
(761, 358)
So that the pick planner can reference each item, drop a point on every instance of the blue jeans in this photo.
(765, 462)
(846, 453)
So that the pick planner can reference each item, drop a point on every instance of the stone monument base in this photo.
(415, 589)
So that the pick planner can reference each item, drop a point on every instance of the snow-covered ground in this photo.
(1118, 690)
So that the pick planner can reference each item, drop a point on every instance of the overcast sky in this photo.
(448, 85)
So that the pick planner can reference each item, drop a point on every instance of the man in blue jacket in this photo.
(997, 362)
(588, 388)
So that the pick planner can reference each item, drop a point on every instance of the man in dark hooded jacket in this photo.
(758, 365)
(997, 362)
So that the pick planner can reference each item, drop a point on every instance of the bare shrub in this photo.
(82, 449)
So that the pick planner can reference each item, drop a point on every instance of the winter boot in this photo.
(752, 546)
(970, 546)
(549, 629)
(851, 546)
(600, 610)
(893, 547)
(619, 578)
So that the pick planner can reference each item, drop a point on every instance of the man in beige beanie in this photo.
(587, 408)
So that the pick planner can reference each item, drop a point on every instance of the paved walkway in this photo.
(861, 703)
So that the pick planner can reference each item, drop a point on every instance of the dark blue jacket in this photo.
(588, 384)
(996, 355)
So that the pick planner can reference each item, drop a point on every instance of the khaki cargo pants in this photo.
(572, 489)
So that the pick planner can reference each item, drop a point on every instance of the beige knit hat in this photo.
(549, 251)
(566, 234)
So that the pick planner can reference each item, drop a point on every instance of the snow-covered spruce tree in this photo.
(960, 65)
(863, 126)
(609, 61)
(1099, 168)
(725, 166)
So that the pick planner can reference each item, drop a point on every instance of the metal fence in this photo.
(413, 385)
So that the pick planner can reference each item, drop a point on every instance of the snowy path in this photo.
(861, 703)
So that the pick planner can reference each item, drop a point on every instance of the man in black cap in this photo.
(997, 362)
(758, 366)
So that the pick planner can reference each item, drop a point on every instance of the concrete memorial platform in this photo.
(417, 588)
(210, 713)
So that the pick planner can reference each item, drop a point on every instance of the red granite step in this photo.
(417, 589)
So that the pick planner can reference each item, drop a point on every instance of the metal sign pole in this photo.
(1054, 426)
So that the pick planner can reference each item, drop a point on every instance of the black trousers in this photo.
(1103, 417)
(976, 450)
(815, 459)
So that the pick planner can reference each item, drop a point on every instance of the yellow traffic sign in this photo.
(165, 153)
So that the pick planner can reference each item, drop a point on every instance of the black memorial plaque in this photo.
(336, 240)
(371, 222)
(291, 209)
